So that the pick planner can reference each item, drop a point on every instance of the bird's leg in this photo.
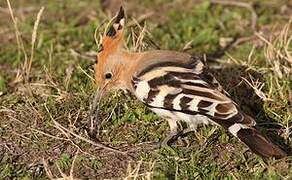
(181, 135)
(172, 135)
(186, 131)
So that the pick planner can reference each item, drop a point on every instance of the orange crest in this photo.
(113, 38)
(111, 47)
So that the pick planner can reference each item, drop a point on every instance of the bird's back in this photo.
(179, 86)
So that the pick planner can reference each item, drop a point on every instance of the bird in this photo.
(177, 86)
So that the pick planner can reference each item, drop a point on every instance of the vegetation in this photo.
(46, 58)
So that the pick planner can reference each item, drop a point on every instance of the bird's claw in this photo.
(173, 136)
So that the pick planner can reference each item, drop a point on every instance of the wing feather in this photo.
(180, 89)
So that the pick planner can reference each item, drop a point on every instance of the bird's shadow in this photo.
(231, 78)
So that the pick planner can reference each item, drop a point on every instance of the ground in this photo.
(46, 89)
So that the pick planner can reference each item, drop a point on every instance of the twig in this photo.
(17, 120)
(73, 163)
(20, 10)
(106, 119)
(254, 16)
(243, 40)
(73, 143)
(257, 87)
(49, 135)
(140, 19)
(17, 32)
(64, 176)
(87, 140)
(140, 38)
(20, 135)
(77, 54)
(111, 114)
(48, 171)
(84, 72)
(62, 128)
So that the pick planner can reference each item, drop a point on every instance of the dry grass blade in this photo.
(140, 38)
(98, 34)
(27, 63)
(278, 52)
(47, 169)
(87, 140)
(139, 41)
(84, 72)
(140, 18)
(68, 132)
(136, 174)
(48, 135)
(33, 40)
(19, 40)
(257, 87)
(64, 176)
(17, 34)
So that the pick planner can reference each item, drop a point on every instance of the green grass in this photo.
(58, 89)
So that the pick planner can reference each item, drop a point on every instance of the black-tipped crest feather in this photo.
(121, 15)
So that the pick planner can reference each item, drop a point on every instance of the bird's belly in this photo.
(192, 120)
(166, 114)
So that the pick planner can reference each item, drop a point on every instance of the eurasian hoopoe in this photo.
(176, 86)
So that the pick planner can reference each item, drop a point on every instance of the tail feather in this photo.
(242, 126)
(259, 144)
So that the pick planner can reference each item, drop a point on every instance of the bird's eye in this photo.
(108, 75)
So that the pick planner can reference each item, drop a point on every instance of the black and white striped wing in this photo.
(184, 91)
(189, 90)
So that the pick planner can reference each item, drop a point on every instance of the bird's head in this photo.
(112, 61)
(112, 64)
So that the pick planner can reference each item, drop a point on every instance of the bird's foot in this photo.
(186, 132)
(183, 138)
(173, 136)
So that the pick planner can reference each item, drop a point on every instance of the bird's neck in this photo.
(137, 62)
(140, 61)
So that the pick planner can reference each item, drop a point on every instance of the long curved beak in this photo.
(95, 119)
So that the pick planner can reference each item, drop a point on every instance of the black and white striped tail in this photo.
(259, 144)
(256, 141)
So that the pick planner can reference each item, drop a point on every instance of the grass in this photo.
(255, 70)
